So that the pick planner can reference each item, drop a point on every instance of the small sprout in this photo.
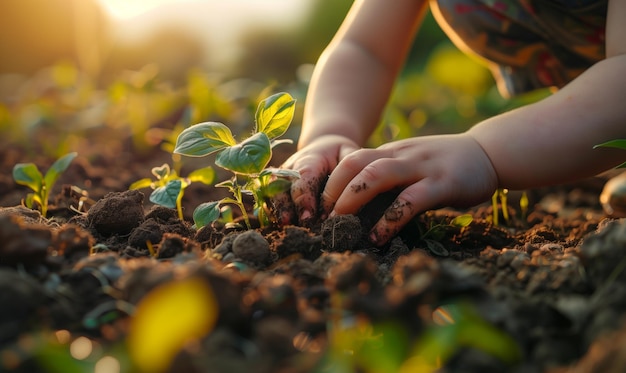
(523, 205)
(248, 158)
(436, 232)
(169, 188)
(501, 194)
(29, 175)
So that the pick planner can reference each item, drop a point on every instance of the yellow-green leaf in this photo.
(169, 317)
(204, 175)
(139, 184)
(203, 139)
(274, 114)
(28, 174)
(57, 169)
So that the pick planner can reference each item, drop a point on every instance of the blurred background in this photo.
(77, 73)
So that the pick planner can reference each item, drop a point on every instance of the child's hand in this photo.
(430, 171)
(314, 162)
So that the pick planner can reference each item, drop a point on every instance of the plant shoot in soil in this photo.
(29, 175)
(247, 159)
(169, 187)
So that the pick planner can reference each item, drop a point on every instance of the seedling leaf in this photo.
(274, 114)
(204, 175)
(275, 187)
(249, 157)
(57, 168)
(161, 172)
(28, 174)
(619, 144)
(167, 195)
(280, 172)
(462, 220)
(206, 213)
(139, 184)
(203, 139)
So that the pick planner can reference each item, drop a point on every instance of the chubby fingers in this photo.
(420, 196)
(305, 191)
(365, 174)
(358, 178)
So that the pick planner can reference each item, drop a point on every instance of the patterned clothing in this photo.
(531, 43)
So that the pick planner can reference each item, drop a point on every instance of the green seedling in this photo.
(435, 233)
(29, 175)
(247, 159)
(502, 195)
(169, 188)
(618, 144)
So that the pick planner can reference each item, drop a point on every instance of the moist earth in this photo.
(544, 291)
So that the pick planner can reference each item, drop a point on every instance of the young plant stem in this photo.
(239, 202)
(179, 205)
(494, 207)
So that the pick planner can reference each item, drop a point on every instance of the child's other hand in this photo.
(430, 171)
(314, 162)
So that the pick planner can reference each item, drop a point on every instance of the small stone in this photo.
(613, 196)
(251, 246)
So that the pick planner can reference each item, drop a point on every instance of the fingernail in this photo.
(373, 238)
(306, 214)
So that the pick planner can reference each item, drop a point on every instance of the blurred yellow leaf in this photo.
(168, 318)
(64, 74)
(454, 69)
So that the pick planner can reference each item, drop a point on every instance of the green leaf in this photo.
(204, 175)
(462, 220)
(140, 184)
(28, 174)
(275, 187)
(58, 168)
(619, 144)
(161, 172)
(249, 157)
(274, 114)
(206, 213)
(203, 139)
(167, 195)
(280, 172)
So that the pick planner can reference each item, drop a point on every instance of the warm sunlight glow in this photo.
(125, 9)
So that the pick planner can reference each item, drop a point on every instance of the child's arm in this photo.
(349, 89)
(544, 143)
(552, 141)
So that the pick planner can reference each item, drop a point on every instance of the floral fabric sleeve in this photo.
(530, 44)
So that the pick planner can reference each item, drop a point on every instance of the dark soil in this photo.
(545, 292)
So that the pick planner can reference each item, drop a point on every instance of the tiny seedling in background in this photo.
(248, 158)
(169, 188)
(501, 194)
(435, 233)
(29, 175)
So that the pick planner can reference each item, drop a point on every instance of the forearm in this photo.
(552, 141)
(355, 75)
(347, 95)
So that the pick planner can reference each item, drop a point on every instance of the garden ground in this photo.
(542, 292)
